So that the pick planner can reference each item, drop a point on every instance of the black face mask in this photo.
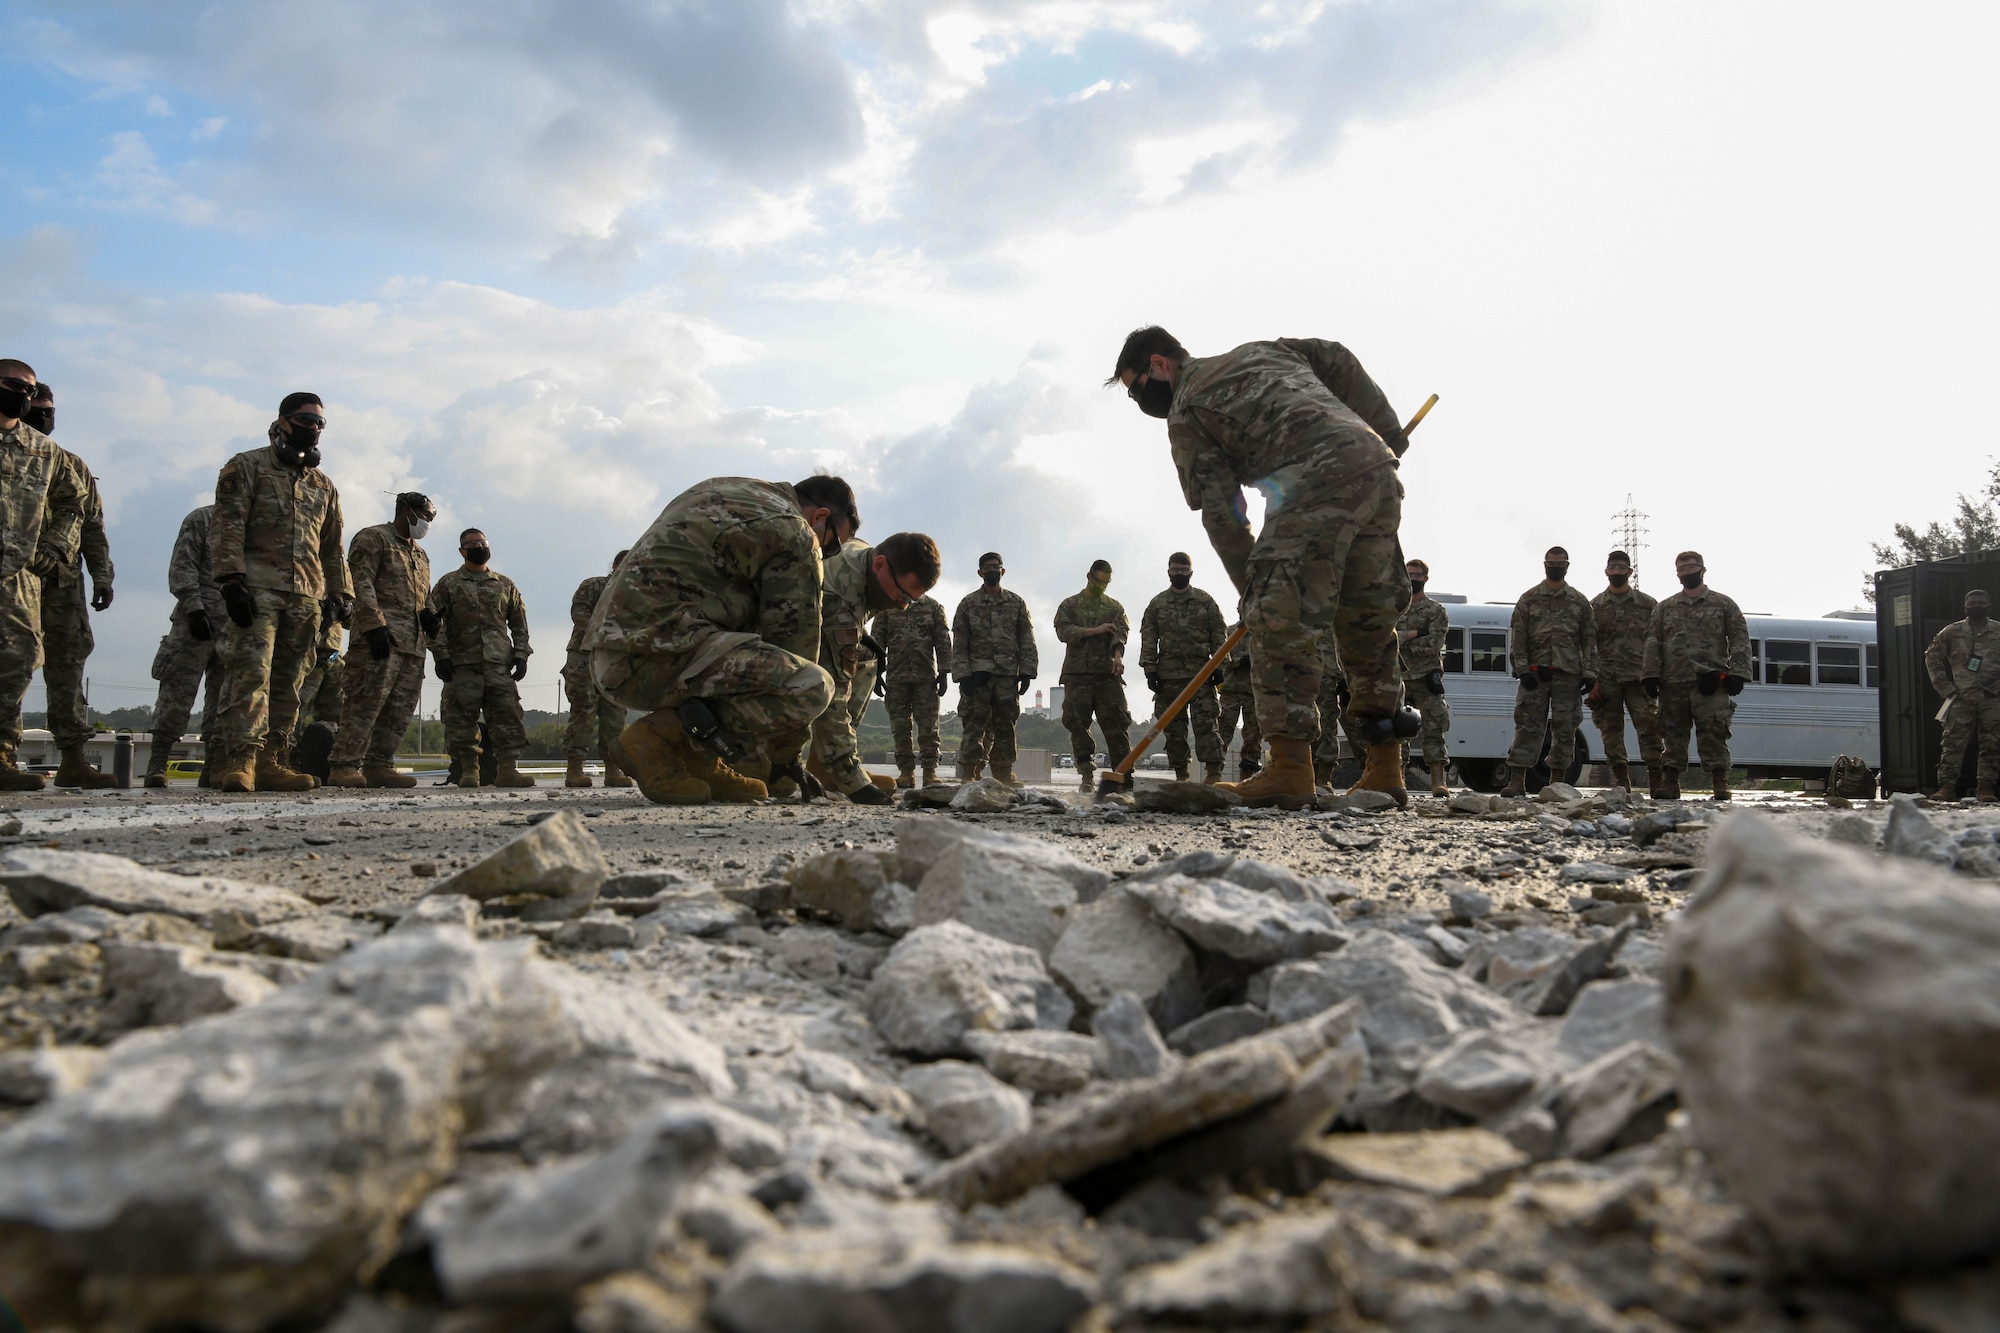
(1977, 614)
(990, 577)
(1692, 580)
(1155, 398)
(1180, 580)
(1417, 586)
(1619, 580)
(42, 418)
(478, 555)
(297, 449)
(15, 402)
(1557, 572)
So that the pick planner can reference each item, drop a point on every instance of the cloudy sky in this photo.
(554, 262)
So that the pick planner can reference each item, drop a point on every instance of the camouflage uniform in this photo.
(843, 612)
(321, 696)
(1238, 699)
(919, 648)
(485, 629)
(278, 529)
(1689, 636)
(392, 582)
(591, 715)
(1974, 711)
(1552, 627)
(1093, 676)
(1179, 632)
(66, 638)
(184, 662)
(1622, 616)
(1419, 657)
(1334, 720)
(720, 600)
(990, 635)
(1300, 420)
(41, 514)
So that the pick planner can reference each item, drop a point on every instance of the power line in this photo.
(1628, 529)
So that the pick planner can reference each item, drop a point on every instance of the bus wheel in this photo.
(1487, 775)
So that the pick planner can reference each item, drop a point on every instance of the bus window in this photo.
(1756, 660)
(1489, 650)
(1874, 669)
(1839, 664)
(1787, 663)
(1454, 650)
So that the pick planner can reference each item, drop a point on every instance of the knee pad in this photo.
(1382, 728)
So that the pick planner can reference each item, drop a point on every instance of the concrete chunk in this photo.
(557, 861)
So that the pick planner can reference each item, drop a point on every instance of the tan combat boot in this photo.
(1180, 773)
(274, 774)
(1286, 781)
(506, 773)
(1517, 782)
(819, 770)
(468, 768)
(1322, 773)
(156, 779)
(1621, 776)
(574, 776)
(614, 776)
(884, 782)
(930, 775)
(1946, 792)
(1384, 773)
(232, 772)
(1211, 773)
(1985, 794)
(77, 772)
(970, 772)
(906, 777)
(1718, 784)
(387, 776)
(1439, 787)
(1005, 773)
(13, 778)
(346, 775)
(656, 752)
(1086, 778)
(1670, 785)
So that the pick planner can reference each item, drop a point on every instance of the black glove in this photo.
(518, 668)
(242, 606)
(1734, 684)
(1707, 681)
(881, 664)
(197, 623)
(1529, 680)
(1021, 684)
(378, 642)
(429, 621)
(334, 611)
(979, 680)
(1586, 685)
(443, 670)
(1153, 682)
(881, 686)
(943, 682)
(100, 597)
(1651, 685)
(1434, 681)
(868, 795)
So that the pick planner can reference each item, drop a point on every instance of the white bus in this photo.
(1813, 697)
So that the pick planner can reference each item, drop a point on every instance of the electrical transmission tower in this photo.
(1628, 529)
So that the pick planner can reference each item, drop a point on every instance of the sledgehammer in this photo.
(1115, 780)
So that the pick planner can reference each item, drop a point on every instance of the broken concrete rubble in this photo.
(553, 870)
(41, 881)
(943, 981)
(1117, 945)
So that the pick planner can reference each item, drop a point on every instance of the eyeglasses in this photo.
(17, 385)
(310, 420)
(1132, 389)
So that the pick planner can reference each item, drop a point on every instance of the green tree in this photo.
(1975, 527)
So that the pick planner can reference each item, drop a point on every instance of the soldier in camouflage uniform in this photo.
(1301, 420)
(481, 651)
(66, 638)
(993, 659)
(1622, 614)
(1335, 720)
(1422, 631)
(393, 616)
(1093, 629)
(1181, 629)
(321, 696)
(1964, 670)
(1697, 661)
(861, 581)
(1237, 699)
(189, 654)
(41, 508)
(1552, 643)
(918, 647)
(711, 627)
(275, 550)
(591, 715)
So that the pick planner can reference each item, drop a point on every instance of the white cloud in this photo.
(158, 106)
(208, 130)
(131, 178)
